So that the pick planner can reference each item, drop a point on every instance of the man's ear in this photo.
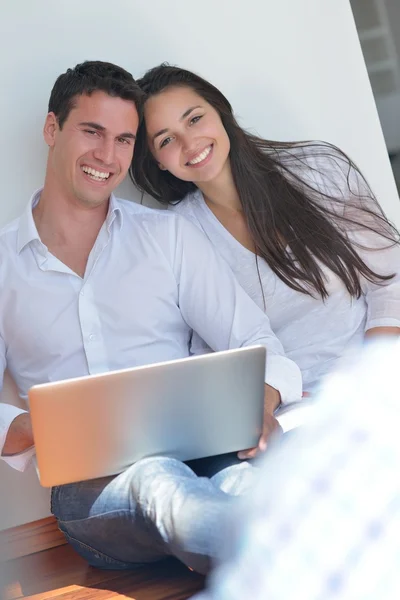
(50, 129)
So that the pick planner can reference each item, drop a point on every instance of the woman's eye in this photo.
(195, 119)
(165, 142)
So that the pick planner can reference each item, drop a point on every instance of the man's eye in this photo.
(91, 131)
(124, 140)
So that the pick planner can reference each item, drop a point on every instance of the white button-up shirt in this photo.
(151, 279)
(316, 334)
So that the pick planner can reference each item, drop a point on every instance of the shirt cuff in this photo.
(382, 322)
(284, 375)
(20, 461)
(17, 461)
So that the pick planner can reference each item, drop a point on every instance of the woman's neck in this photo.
(222, 191)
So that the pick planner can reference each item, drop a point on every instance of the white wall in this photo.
(292, 69)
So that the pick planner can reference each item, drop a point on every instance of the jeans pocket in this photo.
(94, 557)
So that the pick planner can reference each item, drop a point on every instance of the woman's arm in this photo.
(377, 332)
(374, 239)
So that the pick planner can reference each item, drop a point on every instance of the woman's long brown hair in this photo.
(295, 209)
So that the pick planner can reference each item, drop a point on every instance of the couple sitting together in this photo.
(273, 243)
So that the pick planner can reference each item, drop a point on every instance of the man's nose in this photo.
(105, 151)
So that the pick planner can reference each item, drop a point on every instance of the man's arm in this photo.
(19, 436)
(16, 438)
(16, 442)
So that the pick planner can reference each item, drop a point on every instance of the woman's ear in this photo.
(161, 166)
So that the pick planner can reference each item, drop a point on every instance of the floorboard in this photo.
(61, 573)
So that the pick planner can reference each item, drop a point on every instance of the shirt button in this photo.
(92, 337)
(82, 293)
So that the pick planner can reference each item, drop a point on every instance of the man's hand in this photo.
(20, 435)
(272, 400)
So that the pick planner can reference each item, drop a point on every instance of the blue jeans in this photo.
(157, 508)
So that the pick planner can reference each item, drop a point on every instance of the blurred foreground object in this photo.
(324, 518)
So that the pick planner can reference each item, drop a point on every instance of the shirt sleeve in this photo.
(218, 309)
(380, 254)
(330, 172)
(8, 413)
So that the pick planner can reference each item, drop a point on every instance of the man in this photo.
(91, 284)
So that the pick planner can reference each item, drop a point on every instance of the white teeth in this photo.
(97, 175)
(201, 156)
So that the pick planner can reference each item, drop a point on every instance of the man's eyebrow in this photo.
(98, 127)
(127, 134)
(185, 114)
(92, 125)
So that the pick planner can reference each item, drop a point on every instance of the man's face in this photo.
(92, 152)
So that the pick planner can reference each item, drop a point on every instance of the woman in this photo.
(297, 222)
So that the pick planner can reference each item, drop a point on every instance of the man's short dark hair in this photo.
(89, 77)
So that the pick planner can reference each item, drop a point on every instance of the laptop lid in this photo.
(190, 408)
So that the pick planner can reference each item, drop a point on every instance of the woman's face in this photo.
(186, 135)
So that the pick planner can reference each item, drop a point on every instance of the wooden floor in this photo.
(60, 573)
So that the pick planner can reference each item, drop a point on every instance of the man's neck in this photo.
(65, 217)
(67, 228)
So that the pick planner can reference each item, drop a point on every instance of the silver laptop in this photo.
(191, 408)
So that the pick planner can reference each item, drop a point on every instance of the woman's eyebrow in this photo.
(185, 114)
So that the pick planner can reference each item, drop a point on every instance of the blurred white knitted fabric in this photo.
(324, 518)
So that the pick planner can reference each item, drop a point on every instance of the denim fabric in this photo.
(157, 508)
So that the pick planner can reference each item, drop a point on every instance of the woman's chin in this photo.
(205, 176)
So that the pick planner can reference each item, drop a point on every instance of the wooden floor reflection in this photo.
(60, 573)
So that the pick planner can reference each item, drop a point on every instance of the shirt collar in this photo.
(27, 231)
(114, 213)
